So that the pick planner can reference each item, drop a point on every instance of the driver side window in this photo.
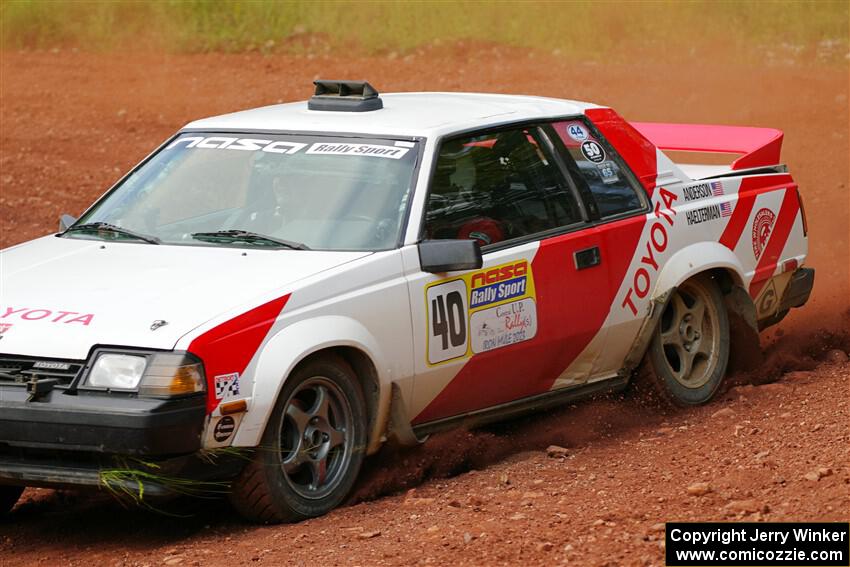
(497, 186)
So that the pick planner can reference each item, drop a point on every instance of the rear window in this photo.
(598, 169)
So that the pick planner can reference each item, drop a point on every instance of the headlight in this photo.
(172, 375)
(122, 371)
(151, 374)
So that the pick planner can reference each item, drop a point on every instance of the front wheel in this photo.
(312, 449)
(9, 497)
(689, 352)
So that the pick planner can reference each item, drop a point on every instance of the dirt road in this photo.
(70, 123)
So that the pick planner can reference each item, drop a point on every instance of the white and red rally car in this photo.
(307, 281)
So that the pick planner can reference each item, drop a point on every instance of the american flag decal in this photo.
(716, 188)
(725, 208)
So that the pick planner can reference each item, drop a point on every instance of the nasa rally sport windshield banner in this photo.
(762, 544)
(276, 145)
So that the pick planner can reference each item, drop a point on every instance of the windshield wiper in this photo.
(247, 236)
(107, 227)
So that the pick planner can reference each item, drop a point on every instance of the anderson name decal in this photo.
(48, 315)
(703, 190)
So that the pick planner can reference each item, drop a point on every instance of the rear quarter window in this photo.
(597, 168)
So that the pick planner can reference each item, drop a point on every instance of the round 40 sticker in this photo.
(593, 151)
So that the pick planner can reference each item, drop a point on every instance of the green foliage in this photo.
(127, 479)
(580, 27)
(212, 456)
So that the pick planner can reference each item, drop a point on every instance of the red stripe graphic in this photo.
(778, 237)
(571, 305)
(751, 187)
(571, 309)
(229, 347)
(638, 152)
(738, 221)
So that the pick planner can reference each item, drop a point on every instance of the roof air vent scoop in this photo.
(345, 96)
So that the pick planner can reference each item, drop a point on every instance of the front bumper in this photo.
(198, 474)
(76, 438)
(100, 422)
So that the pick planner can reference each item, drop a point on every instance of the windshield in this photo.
(322, 192)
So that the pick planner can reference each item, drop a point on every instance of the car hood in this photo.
(61, 296)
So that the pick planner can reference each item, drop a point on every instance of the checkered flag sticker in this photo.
(226, 386)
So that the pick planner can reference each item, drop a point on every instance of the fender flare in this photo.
(678, 269)
(291, 345)
(683, 266)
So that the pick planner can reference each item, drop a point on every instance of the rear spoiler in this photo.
(760, 146)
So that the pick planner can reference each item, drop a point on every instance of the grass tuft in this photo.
(127, 480)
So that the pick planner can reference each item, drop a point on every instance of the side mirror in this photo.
(65, 221)
(438, 256)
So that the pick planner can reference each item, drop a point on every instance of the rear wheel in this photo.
(312, 449)
(9, 497)
(689, 352)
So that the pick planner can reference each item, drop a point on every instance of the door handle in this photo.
(587, 258)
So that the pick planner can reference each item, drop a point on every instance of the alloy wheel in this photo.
(315, 440)
(690, 335)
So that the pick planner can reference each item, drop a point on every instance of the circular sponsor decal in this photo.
(593, 151)
(762, 227)
(224, 428)
(577, 132)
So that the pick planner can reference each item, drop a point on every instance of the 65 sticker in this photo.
(497, 303)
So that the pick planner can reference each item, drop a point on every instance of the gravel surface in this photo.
(591, 484)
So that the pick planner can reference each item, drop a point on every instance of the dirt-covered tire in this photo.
(9, 497)
(312, 448)
(689, 353)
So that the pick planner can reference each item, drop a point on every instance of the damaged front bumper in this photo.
(67, 438)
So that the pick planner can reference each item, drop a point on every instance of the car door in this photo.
(619, 208)
(509, 330)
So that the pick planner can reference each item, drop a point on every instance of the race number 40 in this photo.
(448, 334)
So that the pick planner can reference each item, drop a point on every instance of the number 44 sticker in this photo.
(447, 321)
